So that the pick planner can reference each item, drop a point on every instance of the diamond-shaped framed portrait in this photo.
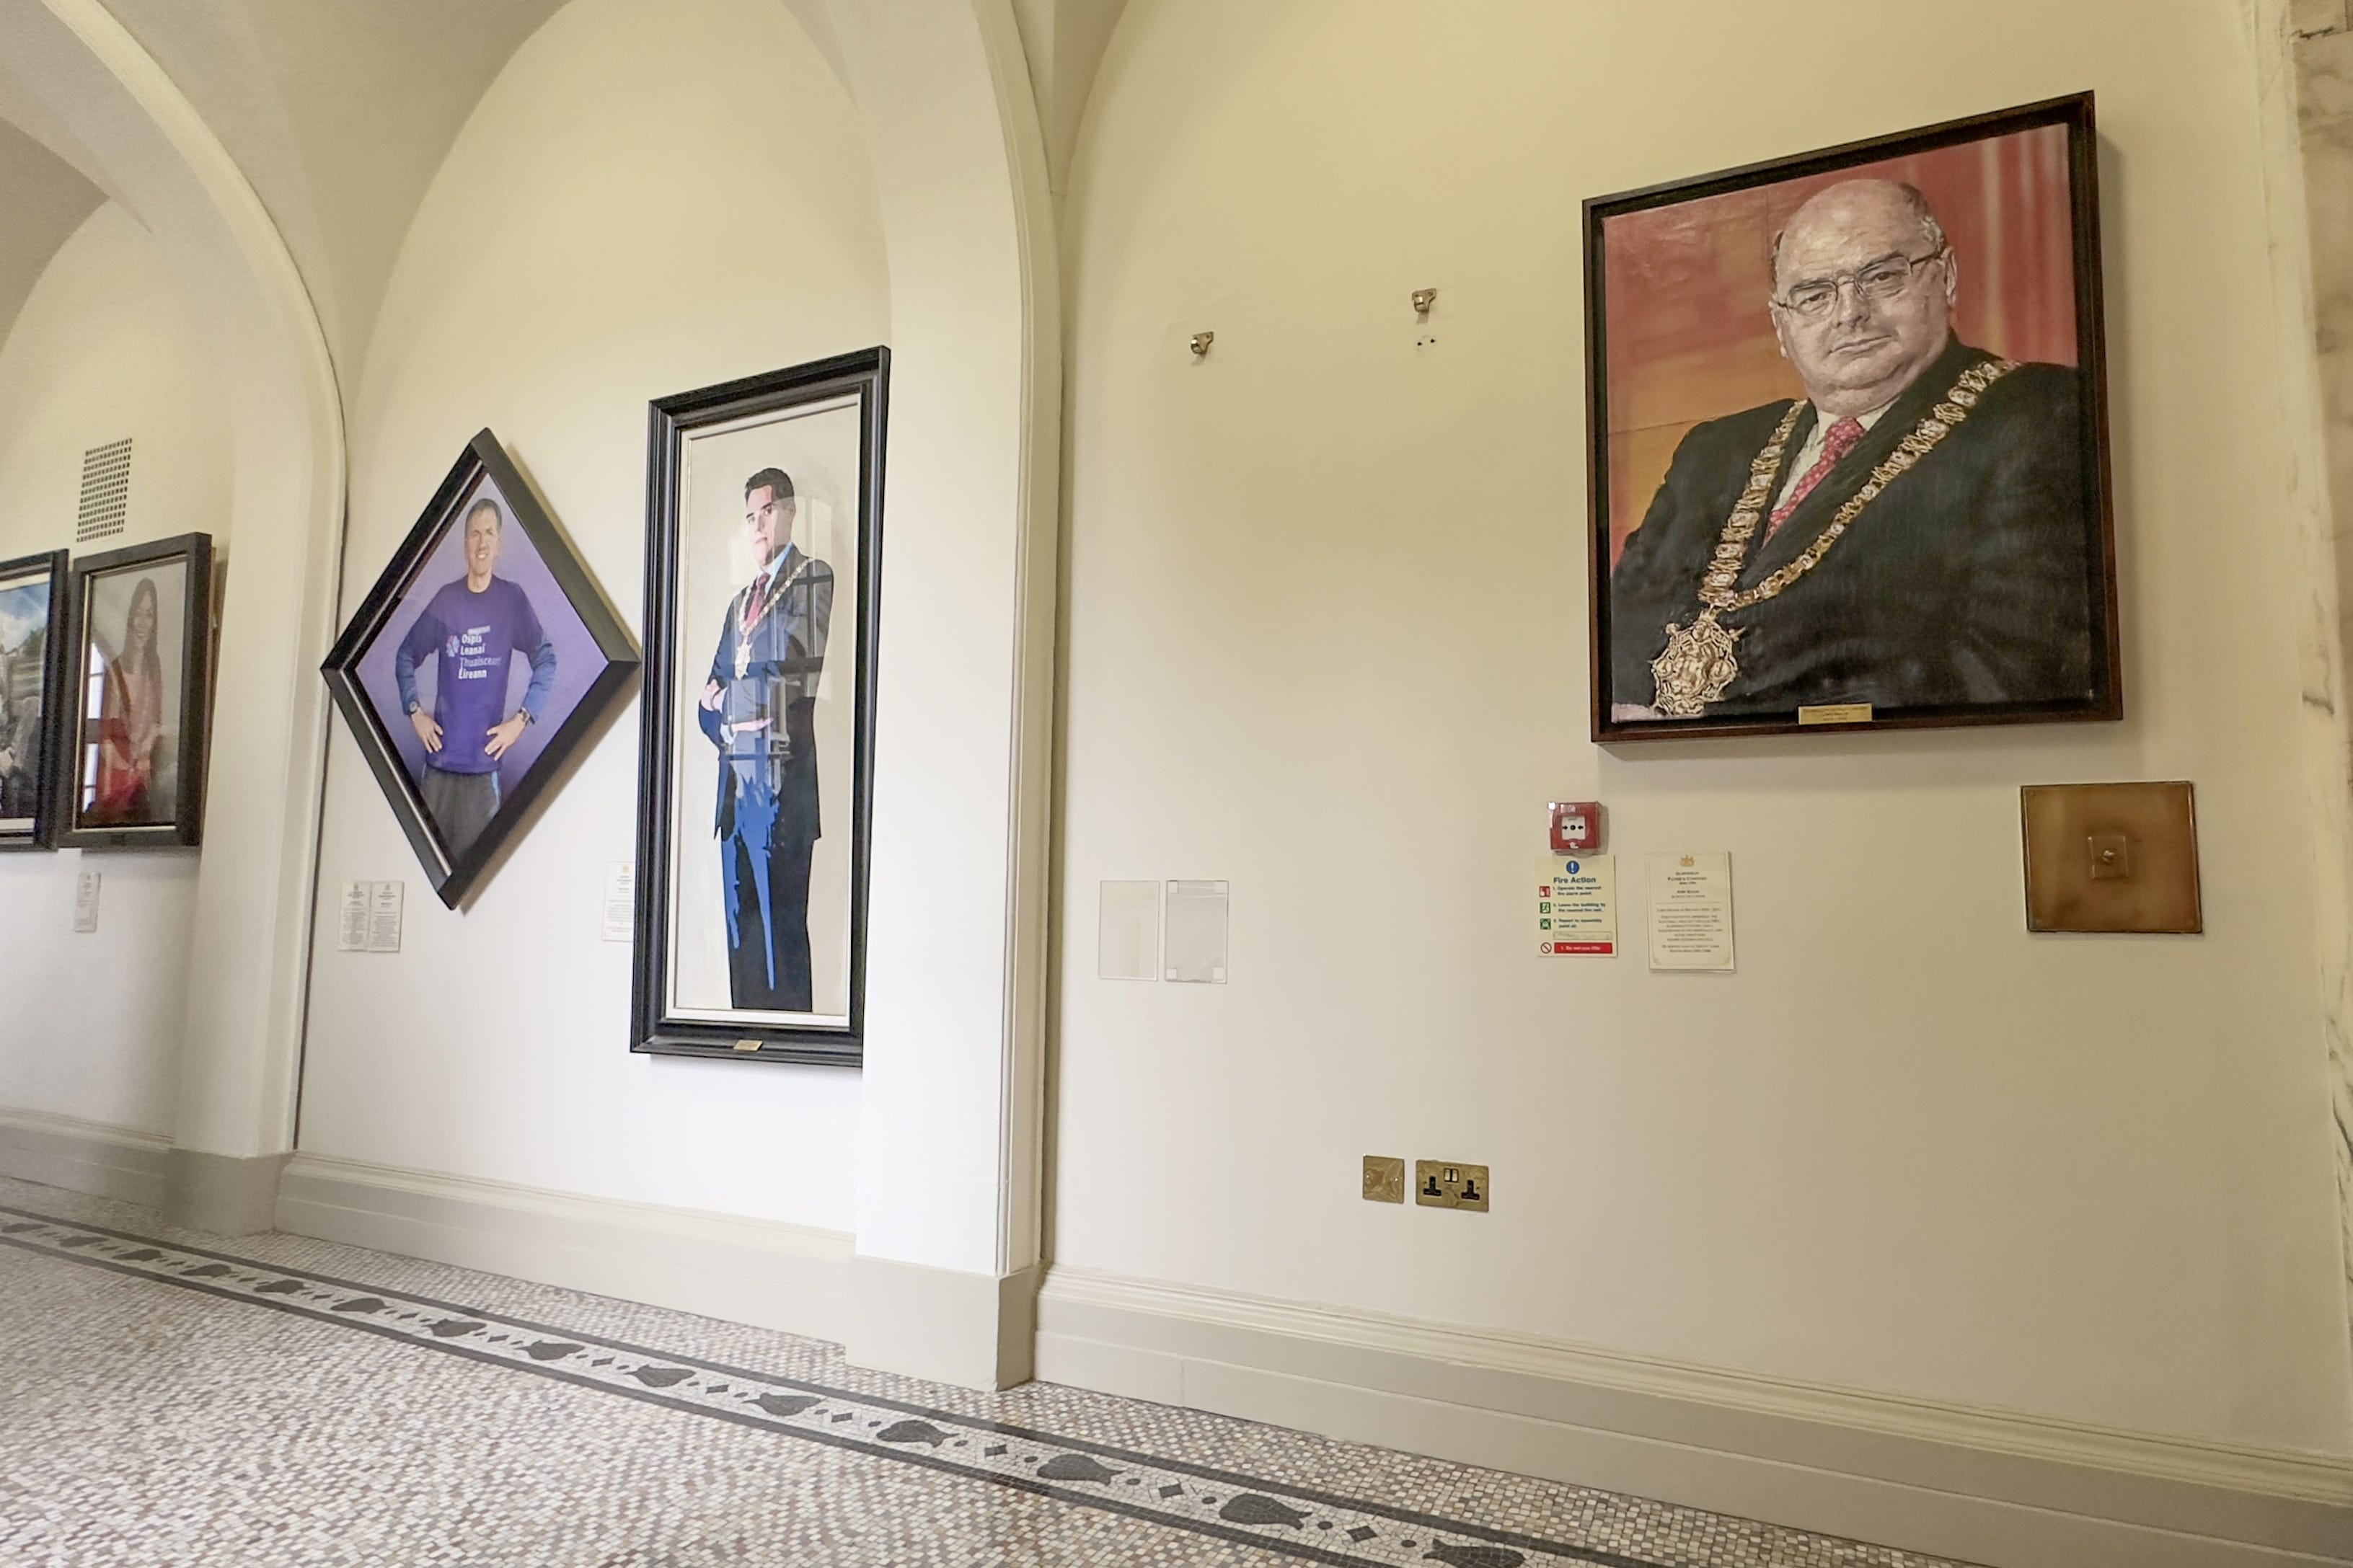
(478, 669)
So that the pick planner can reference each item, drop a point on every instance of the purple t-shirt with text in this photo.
(474, 637)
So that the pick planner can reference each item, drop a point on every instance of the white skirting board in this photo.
(763, 1272)
(1990, 1487)
(941, 1324)
(119, 1163)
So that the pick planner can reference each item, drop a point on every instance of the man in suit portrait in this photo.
(1915, 531)
(759, 709)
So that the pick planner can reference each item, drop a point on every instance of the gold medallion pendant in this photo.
(1695, 667)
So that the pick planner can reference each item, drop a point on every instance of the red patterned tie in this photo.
(1837, 442)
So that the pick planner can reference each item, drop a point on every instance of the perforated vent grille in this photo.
(105, 491)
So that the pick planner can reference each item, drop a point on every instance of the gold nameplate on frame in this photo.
(2110, 858)
(747, 1044)
(1835, 713)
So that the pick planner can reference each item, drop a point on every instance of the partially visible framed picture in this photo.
(141, 630)
(476, 668)
(1847, 439)
(762, 556)
(32, 697)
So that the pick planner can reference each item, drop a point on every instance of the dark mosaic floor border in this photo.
(1197, 1498)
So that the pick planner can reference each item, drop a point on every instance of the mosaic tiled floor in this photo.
(169, 1398)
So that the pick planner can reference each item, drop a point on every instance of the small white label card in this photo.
(1691, 912)
(1576, 905)
(352, 923)
(620, 900)
(86, 902)
(383, 917)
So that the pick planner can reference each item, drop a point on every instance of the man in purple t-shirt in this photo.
(474, 626)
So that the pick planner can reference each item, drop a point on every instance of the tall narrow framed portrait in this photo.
(139, 629)
(32, 697)
(478, 666)
(1847, 439)
(764, 534)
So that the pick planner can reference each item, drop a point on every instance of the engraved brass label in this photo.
(1835, 713)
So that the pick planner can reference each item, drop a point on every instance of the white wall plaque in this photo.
(1691, 911)
(351, 921)
(86, 902)
(383, 917)
(620, 900)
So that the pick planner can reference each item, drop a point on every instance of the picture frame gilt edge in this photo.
(2073, 110)
(668, 421)
(49, 783)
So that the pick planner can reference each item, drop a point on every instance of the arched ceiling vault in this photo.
(1064, 41)
(339, 115)
(45, 199)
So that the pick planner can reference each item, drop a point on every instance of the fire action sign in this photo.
(1576, 905)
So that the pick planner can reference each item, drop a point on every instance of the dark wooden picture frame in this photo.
(599, 660)
(1997, 604)
(694, 921)
(43, 777)
(92, 689)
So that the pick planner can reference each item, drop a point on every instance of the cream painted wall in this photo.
(1325, 638)
(104, 348)
(647, 200)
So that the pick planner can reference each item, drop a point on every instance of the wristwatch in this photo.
(413, 706)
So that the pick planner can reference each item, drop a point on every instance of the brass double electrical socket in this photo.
(1444, 1184)
(1384, 1179)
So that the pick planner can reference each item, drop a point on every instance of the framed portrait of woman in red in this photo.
(141, 633)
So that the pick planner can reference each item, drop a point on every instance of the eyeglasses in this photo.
(1880, 279)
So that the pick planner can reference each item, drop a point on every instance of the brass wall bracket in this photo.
(2110, 858)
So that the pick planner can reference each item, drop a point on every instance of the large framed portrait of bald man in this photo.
(764, 522)
(1847, 439)
(479, 669)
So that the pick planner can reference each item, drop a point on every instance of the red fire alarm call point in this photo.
(1576, 826)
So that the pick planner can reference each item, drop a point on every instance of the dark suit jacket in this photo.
(1971, 578)
(788, 647)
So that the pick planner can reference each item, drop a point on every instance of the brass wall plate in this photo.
(1384, 1179)
(2110, 858)
(1449, 1184)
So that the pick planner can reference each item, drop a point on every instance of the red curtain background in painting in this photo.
(1687, 332)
